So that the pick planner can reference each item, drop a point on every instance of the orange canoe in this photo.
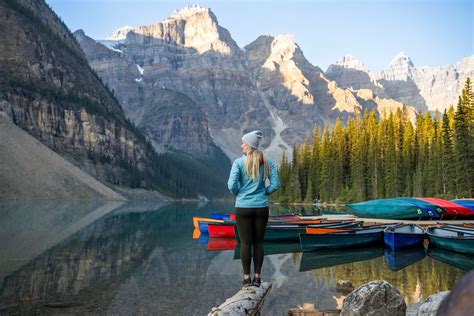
(203, 219)
(323, 230)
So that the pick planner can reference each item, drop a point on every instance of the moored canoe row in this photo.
(319, 234)
(413, 208)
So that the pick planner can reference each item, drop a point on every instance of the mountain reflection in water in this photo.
(141, 258)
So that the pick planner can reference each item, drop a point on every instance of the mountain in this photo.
(188, 53)
(269, 84)
(48, 89)
(424, 88)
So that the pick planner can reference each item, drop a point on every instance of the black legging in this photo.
(251, 223)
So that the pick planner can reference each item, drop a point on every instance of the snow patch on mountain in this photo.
(120, 34)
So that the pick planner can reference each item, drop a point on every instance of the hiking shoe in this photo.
(257, 281)
(247, 282)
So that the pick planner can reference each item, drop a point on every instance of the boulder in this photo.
(374, 298)
(431, 305)
(460, 299)
(344, 287)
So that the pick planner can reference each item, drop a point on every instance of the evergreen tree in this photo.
(315, 163)
(325, 188)
(408, 159)
(372, 157)
(340, 158)
(463, 142)
(448, 168)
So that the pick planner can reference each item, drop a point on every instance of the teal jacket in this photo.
(251, 193)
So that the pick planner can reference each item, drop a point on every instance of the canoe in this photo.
(274, 248)
(203, 227)
(433, 211)
(458, 260)
(311, 222)
(355, 238)
(196, 221)
(203, 239)
(221, 230)
(403, 236)
(337, 224)
(469, 203)
(225, 243)
(461, 227)
(453, 210)
(279, 232)
(221, 216)
(196, 233)
(395, 208)
(328, 258)
(325, 230)
(402, 258)
(450, 239)
(290, 232)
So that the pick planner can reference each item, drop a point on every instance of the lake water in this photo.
(140, 258)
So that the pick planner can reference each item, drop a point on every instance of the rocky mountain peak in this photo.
(120, 34)
(285, 46)
(349, 61)
(192, 27)
(401, 59)
(400, 68)
(189, 11)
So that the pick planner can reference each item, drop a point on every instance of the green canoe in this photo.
(450, 239)
(328, 258)
(458, 260)
(395, 208)
(355, 238)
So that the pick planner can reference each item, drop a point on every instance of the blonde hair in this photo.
(252, 164)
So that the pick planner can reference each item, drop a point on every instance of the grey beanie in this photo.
(253, 138)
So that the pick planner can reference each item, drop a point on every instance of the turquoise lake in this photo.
(141, 258)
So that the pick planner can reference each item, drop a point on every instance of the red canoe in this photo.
(221, 230)
(221, 243)
(452, 209)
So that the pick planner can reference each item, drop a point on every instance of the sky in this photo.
(432, 33)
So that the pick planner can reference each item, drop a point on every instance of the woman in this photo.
(247, 181)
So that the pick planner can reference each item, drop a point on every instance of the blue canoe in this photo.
(203, 227)
(216, 215)
(469, 203)
(399, 259)
(403, 236)
(431, 210)
(203, 239)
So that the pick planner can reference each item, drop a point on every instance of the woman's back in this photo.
(252, 193)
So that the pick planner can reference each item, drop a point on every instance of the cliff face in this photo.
(30, 170)
(48, 89)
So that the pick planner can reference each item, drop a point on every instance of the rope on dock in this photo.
(248, 301)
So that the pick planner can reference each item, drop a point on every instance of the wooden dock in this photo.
(248, 301)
